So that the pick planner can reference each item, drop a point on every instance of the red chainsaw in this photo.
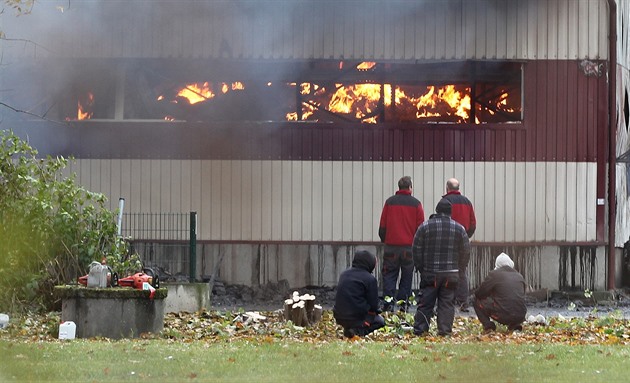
(145, 280)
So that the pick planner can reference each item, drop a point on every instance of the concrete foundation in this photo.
(549, 267)
(112, 312)
(188, 297)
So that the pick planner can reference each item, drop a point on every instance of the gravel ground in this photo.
(548, 304)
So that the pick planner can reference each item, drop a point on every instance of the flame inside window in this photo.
(85, 107)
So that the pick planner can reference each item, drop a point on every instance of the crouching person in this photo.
(356, 301)
(501, 297)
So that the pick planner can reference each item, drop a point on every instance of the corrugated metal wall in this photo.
(299, 30)
(622, 227)
(331, 201)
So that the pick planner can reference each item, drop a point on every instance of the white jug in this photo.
(67, 330)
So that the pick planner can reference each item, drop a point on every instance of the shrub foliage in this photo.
(51, 228)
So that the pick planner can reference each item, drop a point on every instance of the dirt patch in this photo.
(267, 297)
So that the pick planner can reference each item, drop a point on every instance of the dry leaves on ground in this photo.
(221, 326)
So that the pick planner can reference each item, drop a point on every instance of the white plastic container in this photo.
(67, 330)
(4, 320)
(97, 277)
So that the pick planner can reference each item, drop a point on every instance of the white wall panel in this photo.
(341, 201)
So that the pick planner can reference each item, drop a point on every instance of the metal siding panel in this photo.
(501, 30)
(378, 198)
(348, 35)
(551, 121)
(430, 32)
(277, 200)
(155, 178)
(205, 211)
(511, 211)
(442, 28)
(134, 187)
(511, 29)
(596, 28)
(286, 205)
(268, 198)
(468, 31)
(583, 29)
(542, 30)
(552, 21)
(551, 203)
(409, 36)
(480, 31)
(563, 111)
(591, 202)
(216, 201)
(531, 188)
(492, 38)
(379, 31)
(519, 180)
(114, 184)
(582, 201)
(306, 202)
(346, 197)
(420, 35)
(316, 202)
(328, 206)
(570, 202)
(573, 29)
(604, 27)
(398, 38)
(358, 43)
(328, 32)
(186, 186)
(563, 29)
(540, 209)
(318, 31)
(532, 31)
(500, 207)
(295, 185)
(245, 176)
(483, 207)
(337, 201)
(339, 34)
(143, 172)
(454, 48)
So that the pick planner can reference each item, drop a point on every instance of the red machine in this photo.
(146, 280)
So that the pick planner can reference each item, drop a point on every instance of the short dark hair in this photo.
(405, 183)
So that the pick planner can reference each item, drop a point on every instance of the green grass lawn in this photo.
(212, 346)
(272, 360)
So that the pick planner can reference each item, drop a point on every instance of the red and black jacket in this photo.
(462, 211)
(401, 216)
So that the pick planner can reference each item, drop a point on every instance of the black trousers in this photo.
(440, 287)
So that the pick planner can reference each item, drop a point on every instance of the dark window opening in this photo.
(318, 91)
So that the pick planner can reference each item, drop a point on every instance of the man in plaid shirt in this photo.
(440, 248)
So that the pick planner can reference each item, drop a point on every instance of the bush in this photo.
(51, 229)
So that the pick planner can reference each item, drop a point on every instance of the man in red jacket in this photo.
(400, 218)
(464, 214)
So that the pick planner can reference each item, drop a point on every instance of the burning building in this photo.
(286, 124)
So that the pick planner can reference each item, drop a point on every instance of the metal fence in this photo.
(166, 242)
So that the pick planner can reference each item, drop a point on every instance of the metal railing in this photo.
(164, 241)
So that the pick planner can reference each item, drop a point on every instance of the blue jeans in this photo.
(397, 260)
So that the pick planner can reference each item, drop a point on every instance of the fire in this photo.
(361, 101)
(84, 109)
(196, 92)
(202, 91)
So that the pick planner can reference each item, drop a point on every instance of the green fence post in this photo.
(193, 246)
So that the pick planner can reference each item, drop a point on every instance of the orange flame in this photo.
(196, 92)
(84, 109)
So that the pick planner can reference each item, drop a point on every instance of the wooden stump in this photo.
(302, 310)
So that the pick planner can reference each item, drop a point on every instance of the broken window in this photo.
(324, 91)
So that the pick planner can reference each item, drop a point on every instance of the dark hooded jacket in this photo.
(507, 287)
(357, 289)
